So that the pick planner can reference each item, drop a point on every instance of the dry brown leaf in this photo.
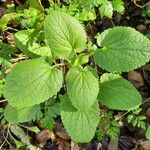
(142, 28)
(61, 132)
(113, 145)
(135, 78)
(145, 145)
(74, 146)
(44, 135)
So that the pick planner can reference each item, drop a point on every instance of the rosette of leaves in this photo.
(34, 81)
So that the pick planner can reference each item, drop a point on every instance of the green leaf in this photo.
(65, 35)
(25, 42)
(80, 125)
(86, 15)
(117, 93)
(106, 9)
(92, 70)
(89, 4)
(82, 88)
(1, 88)
(118, 6)
(123, 49)
(81, 59)
(1, 110)
(34, 129)
(5, 19)
(5, 54)
(35, 4)
(32, 82)
(48, 122)
(148, 133)
(53, 111)
(22, 115)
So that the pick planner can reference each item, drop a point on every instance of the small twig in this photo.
(146, 4)
(18, 2)
(131, 110)
(13, 29)
(146, 101)
(57, 65)
(14, 60)
(23, 126)
(2, 101)
(112, 22)
(134, 1)
(5, 140)
(11, 136)
(122, 115)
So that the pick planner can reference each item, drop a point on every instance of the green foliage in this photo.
(146, 11)
(114, 130)
(80, 124)
(47, 122)
(87, 15)
(106, 9)
(69, 71)
(82, 88)
(8, 18)
(64, 34)
(31, 17)
(33, 85)
(35, 4)
(53, 110)
(123, 49)
(51, 113)
(117, 93)
(22, 115)
(1, 110)
(108, 126)
(26, 42)
(118, 6)
(1, 88)
(99, 135)
(86, 8)
(136, 119)
(5, 54)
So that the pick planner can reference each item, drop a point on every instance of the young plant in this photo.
(86, 9)
(136, 119)
(63, 66)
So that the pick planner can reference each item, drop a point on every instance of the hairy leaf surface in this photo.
(5, 54)
(47, 122)
(118, 5)
(117, 93)
(25, 42)
(123, 49)
(106, 9)
(65, 35)
(82, 88)
(32, 82)
(14, 115)
(80, 125)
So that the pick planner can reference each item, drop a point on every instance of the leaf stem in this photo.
(131, 110)
(145, 101)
